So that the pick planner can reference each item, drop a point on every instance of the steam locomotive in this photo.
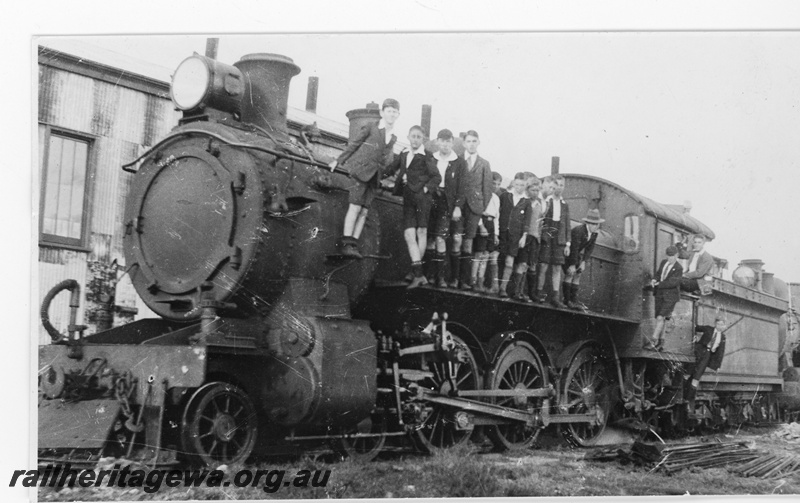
(268, 339)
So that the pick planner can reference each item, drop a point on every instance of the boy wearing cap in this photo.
(447, 201)
(365, 156)
(582, 238)
(417, 178)
(477, 183)
(667, 293)
(555, 245)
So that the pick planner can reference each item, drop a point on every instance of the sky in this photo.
(694, 114)
(708, 118)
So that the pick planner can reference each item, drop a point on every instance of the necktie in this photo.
(664, 274)
(471, 161)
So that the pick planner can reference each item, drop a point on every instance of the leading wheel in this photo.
(586, 391)
(362, 449)
(517, 368)
(440, 429)
(219, 425)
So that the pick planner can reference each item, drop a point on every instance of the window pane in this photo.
(64, 187)
(51, 189)
(631, 240)
(78, 185)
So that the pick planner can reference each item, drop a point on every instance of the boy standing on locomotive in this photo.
(667, 294)
(582, 238)
(515, 219)
(530, 257)
(555, 245)
(447, 201)
(478, 186)
(485, 245)
(417, 178)
(367, 155)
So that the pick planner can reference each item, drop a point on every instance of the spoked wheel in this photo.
(362, 449)
(440, 429)
(517, 368)
(586, 390)
(219, 425)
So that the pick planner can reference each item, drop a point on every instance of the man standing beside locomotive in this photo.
(477, 183)
(667, 294)
(367, 155)
(699, 264)
(709, 349)
(582, 238)
(555, 245)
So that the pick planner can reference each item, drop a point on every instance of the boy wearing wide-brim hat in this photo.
(582, 239)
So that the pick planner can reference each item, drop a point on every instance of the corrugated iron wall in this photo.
(124, 122)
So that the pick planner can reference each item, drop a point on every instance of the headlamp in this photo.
(200, 82)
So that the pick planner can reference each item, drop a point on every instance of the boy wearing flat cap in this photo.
(445, 202)
(365, 156)
(667, 293)
(582, 239)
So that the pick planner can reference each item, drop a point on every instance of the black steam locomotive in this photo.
(268, 339)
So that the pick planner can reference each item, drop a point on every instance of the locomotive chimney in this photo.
(266, 91)
(212, 44)
(360, 117)
(554, 165)
(311, 94)
(425, 121)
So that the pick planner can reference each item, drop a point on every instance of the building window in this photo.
(630, 242)
(64, 172)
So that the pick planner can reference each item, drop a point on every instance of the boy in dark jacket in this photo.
(417, 178)
(446, 201)
(365, 156)
(582, 238)
(515, 219)
(709, 349)
(667, 293)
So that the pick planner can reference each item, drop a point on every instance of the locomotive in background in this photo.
(269, 339)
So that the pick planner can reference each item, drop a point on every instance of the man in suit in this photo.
(365, 156)
(477, 183)
(699, 265)
(445, 202)
(666, 284)
(417, 178)
(555, 245)
(582, 239)
(709, 349)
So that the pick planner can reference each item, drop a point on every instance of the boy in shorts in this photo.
(530, 257)
(446, 201)
(417, 179)
(485, 246)
(515, 219)
(365, 156)
(667, 284)
(555, 244)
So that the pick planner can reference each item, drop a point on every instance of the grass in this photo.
(468, 472)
